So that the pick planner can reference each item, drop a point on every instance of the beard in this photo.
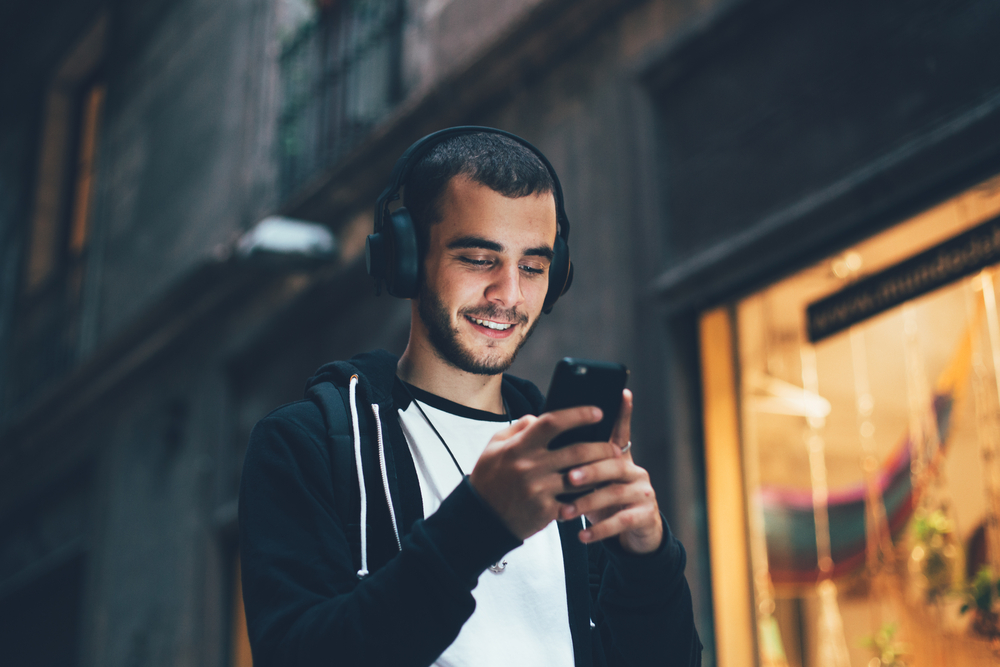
(445, 337)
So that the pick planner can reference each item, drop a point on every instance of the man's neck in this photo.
(422, 367)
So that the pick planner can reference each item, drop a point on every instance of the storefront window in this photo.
(852, 421)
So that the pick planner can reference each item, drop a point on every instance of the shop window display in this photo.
(866, 400)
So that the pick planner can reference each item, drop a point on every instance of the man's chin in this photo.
(491, 361)
(464, 348)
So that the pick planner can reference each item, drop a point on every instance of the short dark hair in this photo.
(502, 164)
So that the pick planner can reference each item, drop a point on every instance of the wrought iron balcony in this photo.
(340, 76)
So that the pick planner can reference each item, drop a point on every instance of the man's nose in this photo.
(506, 288)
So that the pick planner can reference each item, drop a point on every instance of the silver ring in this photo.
(627, 447)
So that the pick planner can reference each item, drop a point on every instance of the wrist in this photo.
(642, 542)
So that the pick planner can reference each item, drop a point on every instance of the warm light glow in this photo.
(731, 587)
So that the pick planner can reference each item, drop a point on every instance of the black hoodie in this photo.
(309, 603)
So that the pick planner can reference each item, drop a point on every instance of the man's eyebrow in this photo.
(540, 251)
(464, 242)
(478, 242)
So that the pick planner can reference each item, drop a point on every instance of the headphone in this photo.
(391, 252)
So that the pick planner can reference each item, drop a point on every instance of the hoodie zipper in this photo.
(385, 476)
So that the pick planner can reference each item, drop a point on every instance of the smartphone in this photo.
(578, 382)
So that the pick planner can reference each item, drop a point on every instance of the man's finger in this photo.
(622, 432)
(610, 497)
(581, 453)
(616, 469)
(632, 518)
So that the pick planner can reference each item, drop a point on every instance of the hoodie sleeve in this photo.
(643, 605)
(304, 603)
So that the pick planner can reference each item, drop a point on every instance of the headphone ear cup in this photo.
(560, 273)
(375, 258)
(403, 265)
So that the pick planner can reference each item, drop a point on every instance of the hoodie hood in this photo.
(376, 373)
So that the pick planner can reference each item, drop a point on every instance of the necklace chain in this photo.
(454, 460)
(501, 564)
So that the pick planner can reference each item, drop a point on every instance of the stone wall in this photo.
(188, 156)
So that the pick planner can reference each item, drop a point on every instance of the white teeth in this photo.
(492, 325)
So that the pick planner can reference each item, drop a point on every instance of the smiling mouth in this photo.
(497, 326)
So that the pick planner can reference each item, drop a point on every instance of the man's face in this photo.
(485, 275)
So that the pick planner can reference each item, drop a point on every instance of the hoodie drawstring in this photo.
(385, 476)
(363, 572)
(355, 423)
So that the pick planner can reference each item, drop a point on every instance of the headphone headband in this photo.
(412, 155)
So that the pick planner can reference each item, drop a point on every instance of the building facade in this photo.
(709, 151)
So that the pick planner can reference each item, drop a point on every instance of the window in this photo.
(341, 75)
(852, 420)
(47, 331)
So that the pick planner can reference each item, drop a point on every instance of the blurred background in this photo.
(185, 189)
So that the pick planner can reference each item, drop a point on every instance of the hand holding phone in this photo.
(523, 474)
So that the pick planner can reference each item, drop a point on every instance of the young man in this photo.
(406, 512)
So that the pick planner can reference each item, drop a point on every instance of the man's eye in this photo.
(475, 262)
(532, 269)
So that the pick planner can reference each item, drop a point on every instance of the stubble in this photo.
(446, 339)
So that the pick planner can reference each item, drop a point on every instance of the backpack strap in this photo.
(346, 492)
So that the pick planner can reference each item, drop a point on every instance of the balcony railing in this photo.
(341, 76)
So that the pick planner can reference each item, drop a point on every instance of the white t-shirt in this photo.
(521, 617)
